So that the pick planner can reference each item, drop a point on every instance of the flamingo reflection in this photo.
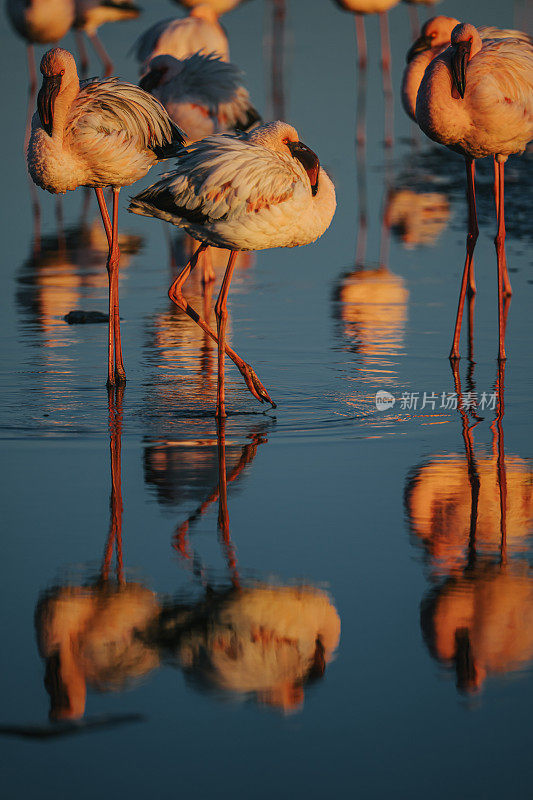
(457, 504)
(260, 641)
(473, 517)
(64, 272)
(96, 634)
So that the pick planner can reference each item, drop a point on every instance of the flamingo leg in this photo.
(120, 373)
(506, 282)
(278, 47)
(252, 381)
(110, 337)
(31, 69)
(468, 272)
(361, 79)
(208, 273)
(387, 82)
(82, 50)
(102, 54)
(414, 20)
(221, 312)
(499, 242)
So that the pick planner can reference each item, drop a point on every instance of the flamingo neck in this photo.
(62, 105)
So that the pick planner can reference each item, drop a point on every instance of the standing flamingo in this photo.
(359, 9)
(41, 22)
(477, 99)
(264, 189)
(90, 14)
(202, 94)
(102, 133)
(200, 32)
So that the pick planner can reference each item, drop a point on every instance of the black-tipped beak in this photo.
(308, 160)
(460, 59)
(151, 80)
(419, 46)
(45, 101)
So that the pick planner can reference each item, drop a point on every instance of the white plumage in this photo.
(245, 193)
(102, 133)
(202, 94)
(200, 32)
(260, 190)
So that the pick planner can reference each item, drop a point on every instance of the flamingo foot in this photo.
(254, 384)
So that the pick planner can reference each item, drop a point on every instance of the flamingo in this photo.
(412, 6)
(434, 39)
(42, 22)
(477, 99)
(359, 8)
(202, 94)
(102, 133)
(200, 32)
(261, 190)
(90, 14)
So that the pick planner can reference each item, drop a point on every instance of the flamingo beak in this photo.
(465, 665)
(419, 46)
(45, 101)
(460, 59)
(308, 160)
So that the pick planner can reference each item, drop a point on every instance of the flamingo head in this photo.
(58, 69)
(466, 43)
(158, 71)
(283, 138)
(436, 32)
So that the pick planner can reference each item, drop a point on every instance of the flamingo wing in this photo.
(110, 107)
(221, 178)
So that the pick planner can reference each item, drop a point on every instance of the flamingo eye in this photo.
(62, 72)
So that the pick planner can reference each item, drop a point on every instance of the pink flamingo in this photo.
(41, 22)
(90, 15)
(261, 190)
(200, 32)
(359, 8)
(477, 99)
(434, 39)
(102, 133)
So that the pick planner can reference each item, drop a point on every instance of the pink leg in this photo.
(252, 381)
(120, 373)
(221, 312)
(413, 19)
(31, 69)
(102, 54)
(499, 241)
(110, 337)
(468, 272)
(82, 50)
(208, 273)
(278, 52)
(361, 79)
(387, 83)
(506, 282)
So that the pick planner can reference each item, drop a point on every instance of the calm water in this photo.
(211, 653)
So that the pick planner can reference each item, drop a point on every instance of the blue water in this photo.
(412, 524)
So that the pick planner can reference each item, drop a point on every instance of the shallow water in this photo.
(210, 613)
